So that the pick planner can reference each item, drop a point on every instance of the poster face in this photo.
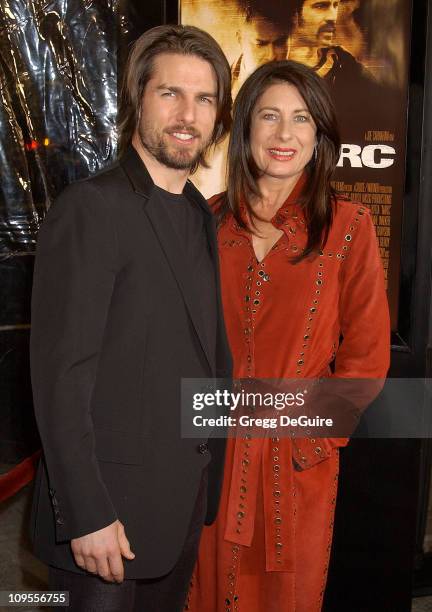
(361, 49)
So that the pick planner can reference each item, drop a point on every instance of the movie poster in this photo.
(361, 48)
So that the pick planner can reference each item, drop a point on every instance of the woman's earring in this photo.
(315, 153)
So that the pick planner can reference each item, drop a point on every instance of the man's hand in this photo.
(101, 552)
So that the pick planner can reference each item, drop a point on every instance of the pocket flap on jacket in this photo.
(119, 447)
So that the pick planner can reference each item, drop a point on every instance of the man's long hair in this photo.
(318, 195)
(175, 39)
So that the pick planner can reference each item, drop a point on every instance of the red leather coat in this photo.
(270, 545)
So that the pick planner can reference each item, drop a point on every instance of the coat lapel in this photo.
(223, 353)
(174, 251)
(223, 365)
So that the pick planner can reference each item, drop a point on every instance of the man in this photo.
(314, 43)
(354, 89)
(263, 36)
(315, 29)
(126, 303)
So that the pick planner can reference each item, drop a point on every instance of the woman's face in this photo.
(283, 133)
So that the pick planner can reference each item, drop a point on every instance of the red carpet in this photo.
(18, 476)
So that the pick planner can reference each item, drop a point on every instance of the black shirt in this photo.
(187, 219)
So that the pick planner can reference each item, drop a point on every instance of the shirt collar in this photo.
(290, 217)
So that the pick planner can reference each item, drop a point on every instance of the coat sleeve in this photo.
(73, 283)
(363, 307)
(364, 352)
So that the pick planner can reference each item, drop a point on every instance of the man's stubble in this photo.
(153, 142)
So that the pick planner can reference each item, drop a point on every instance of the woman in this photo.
(300, 269)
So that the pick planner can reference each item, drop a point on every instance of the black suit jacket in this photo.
(116, 324)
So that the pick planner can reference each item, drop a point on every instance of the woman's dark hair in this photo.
(318, 195)
(176, 39)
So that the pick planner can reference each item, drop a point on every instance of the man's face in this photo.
(317, 23)
(178, 110)
(263, 41)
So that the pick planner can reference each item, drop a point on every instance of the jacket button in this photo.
(202, 448)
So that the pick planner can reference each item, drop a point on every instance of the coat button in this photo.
(202, 448)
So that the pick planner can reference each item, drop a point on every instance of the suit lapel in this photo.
(176, 256)
(223, 365)
(169, 241)
(223, 353)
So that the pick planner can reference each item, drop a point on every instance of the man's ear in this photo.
(239, 37)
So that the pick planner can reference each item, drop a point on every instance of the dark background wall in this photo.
(58, 86)
(17, 426)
